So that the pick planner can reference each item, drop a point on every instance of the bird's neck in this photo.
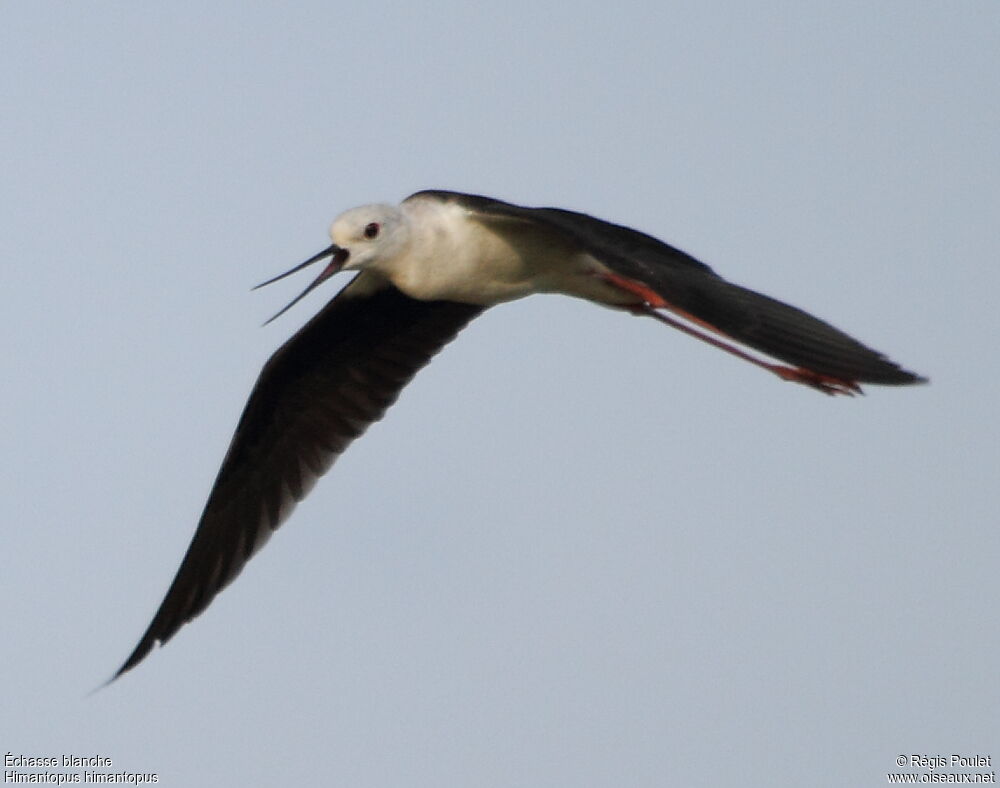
(450, 256)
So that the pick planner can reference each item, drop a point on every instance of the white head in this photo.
(369, 235)
(362, 237)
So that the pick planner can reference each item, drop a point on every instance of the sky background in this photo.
(583, 549)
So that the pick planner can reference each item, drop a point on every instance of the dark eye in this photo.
(371, 229)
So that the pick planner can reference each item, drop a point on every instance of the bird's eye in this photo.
(371, 229)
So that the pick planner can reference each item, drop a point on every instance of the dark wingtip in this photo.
(138, 655)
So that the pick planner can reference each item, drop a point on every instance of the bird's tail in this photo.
(791, 335)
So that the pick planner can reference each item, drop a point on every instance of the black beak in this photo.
(338, 256)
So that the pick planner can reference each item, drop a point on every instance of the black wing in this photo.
(316, 394)
(689, 286)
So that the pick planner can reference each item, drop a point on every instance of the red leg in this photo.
(651, 301)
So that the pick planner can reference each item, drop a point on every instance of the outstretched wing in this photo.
(316, 394)
(692, 289)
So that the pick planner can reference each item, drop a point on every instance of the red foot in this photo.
(825, 383)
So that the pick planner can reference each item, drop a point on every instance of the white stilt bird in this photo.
(427, 267)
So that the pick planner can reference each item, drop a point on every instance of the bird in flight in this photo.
(425, 268)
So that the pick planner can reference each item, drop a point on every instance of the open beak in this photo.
(338, 256)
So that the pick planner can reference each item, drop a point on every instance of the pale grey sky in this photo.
(582, 549)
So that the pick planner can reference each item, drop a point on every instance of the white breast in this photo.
(456, 255)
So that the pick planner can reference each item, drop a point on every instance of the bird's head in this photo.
(362, 238)
(369, 234)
